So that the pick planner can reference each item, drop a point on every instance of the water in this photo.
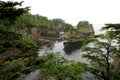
(58, 47)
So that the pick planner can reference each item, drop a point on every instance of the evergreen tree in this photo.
(9, 12)
(101, 50)
(114, 31)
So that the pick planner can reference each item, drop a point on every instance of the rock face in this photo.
(49, 33)
(72, 46)
(29, 33)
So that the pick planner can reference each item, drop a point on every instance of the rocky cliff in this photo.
(79, 33)
(29, 33)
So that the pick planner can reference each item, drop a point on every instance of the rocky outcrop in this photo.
(29, 33)
(75, 38)
(43, 35)
(72, 46)
(80, 33)
(49, 33)
(74, 35)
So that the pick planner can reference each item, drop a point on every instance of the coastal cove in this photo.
(58, 46)
(35, 47)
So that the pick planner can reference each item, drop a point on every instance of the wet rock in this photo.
(33, 75)
(72, 46)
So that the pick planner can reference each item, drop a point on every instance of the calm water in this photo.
(58, 47)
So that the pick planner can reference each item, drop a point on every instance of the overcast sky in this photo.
(97, 12)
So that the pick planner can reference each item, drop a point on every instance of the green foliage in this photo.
(29, 20)
(25, 20)
(7, 39)
(12, 69)
(117, 75)
(9, 12)
(9, 36)
(113, 30)
(111, 26)
(11, 39)
(58, 21)
(25, 45)
(100, 54)
(84, 27)
(58, 67)
(68, 27)
(50, 65)
(82, 24)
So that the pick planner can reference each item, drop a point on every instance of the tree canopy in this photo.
(82, 24)
(9, 12)
(103, 50)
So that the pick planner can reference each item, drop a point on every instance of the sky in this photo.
(97, 12)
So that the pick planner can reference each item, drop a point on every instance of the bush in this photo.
(50, 64)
